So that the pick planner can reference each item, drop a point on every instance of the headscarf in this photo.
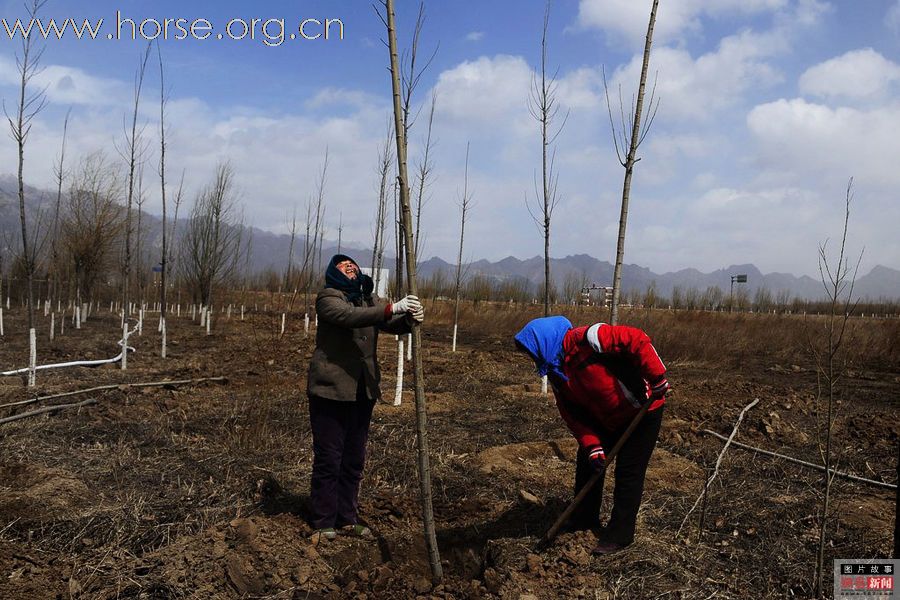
(543, 340)
(355, 289)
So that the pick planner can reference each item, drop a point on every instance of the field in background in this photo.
(200, 491)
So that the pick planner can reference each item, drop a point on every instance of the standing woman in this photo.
(343, 389)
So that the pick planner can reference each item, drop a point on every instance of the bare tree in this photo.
(314, 224)
(140, 267)
(30, 103)
(543, 107)
(59, 173)
(418, 371)
(385, 164)
(410, 76)
(211, 244)
(288, 272)
(464, 205)
(340, 230)
(132, 152)
(164, 259)
(424, 175)
(838, 278)
(623, 140)
(92, 223)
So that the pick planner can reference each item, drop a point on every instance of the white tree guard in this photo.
(409, 346)
(398, 391)
(52, 325)
(454, 338)
(32, 356)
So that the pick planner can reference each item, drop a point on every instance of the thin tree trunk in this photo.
(462, 234)
(630, 161)
(133, 142)
(418, 372)
(163, 281)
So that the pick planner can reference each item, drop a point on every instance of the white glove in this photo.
(419, 315)
(410, 304)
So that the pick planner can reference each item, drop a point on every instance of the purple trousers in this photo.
(340, 431)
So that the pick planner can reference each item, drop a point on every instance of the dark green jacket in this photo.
(346, 344)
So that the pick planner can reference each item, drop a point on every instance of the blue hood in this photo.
(543, 340)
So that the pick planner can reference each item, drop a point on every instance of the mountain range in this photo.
(270, 251)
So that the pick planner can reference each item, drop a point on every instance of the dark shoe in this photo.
(359, 531)
(603, 548)
(328, 533)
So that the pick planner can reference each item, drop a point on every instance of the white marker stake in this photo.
(1, 320)
(125, 346)
(242, 312)
(544, 385)
(163, 325)
(52, 325)
(141, 322)
(454, 338)
(32, 356)
(398, 391)
(409, 346)
(306, 323)
(282, 323)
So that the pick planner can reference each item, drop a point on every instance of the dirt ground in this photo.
(200, 491)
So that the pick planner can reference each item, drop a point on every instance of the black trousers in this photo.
(340, 433)
(631, 468)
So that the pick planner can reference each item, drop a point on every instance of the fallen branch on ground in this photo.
(716, 469)
(115, 386)
(47, 409)
(797, 461)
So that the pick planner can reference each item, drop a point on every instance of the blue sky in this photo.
(767, 108)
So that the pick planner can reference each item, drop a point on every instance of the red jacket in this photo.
(610, 369)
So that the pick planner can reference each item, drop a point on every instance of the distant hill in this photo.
(270, 251)
(880, 282)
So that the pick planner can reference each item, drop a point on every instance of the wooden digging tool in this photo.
(598, 476)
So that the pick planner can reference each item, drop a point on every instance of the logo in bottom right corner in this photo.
(859, 578)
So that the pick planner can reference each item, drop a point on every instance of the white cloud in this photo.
(475, 36)
(699, 88)
(892, 18)
(797, 139)
(858, 74)
(629, 19)
(486, 92)
(68, 85)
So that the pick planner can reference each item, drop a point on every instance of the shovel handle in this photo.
(598, 476)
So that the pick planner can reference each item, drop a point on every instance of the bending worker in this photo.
(601, 376)
(343, 387)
